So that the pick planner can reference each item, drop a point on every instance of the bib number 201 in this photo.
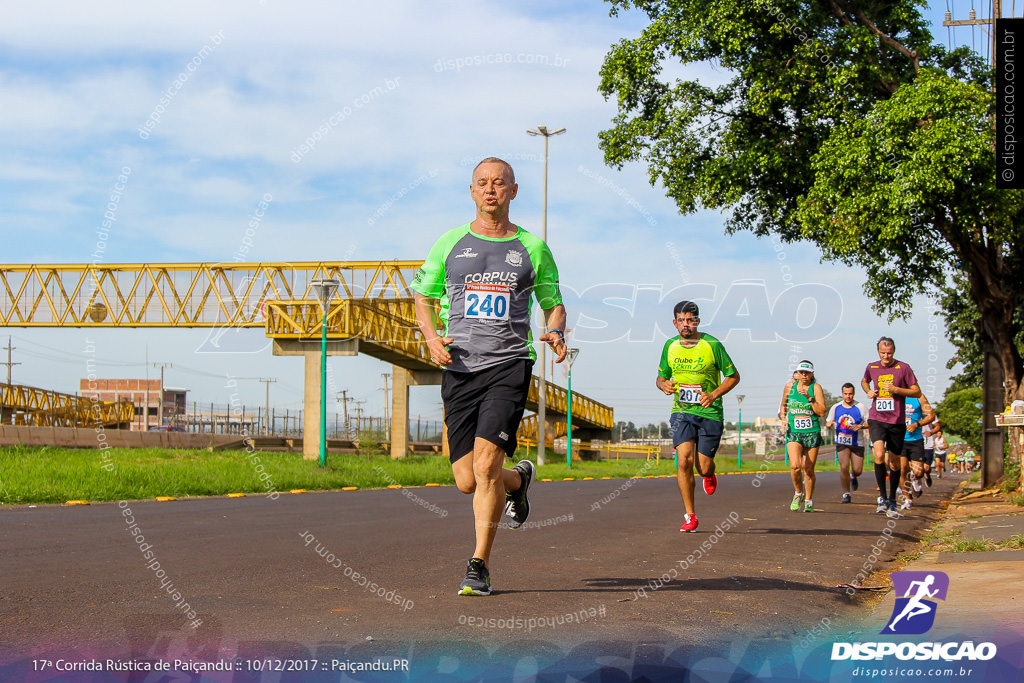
(885, 405)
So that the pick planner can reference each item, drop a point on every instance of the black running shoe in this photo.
(478, 579)
(853, 483)
(928, 478)
(517, 505)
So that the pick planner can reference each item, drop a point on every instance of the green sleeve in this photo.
(545, 283)
(722, 359)
(430, 278)
(664, 371)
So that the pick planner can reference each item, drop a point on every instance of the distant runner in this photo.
(888, 383)
(691, 369)
(941, 448)
(919, 413)
(848, 418)
(929, 448)
(803, 404)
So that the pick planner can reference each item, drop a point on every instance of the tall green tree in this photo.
(833, 121)
(961, 415)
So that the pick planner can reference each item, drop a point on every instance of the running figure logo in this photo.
(914, 612)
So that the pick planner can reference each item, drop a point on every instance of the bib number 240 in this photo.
(487, 302)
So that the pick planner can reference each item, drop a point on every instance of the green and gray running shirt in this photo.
(697, 368)
(484, 285)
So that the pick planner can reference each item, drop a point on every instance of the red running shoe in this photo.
(710, 484)
(689, 523)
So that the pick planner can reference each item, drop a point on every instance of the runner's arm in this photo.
(863, 416)
(929, 412)
(428, 322)
(784, 406)
(913, 391)
(554, 319)
(818, 401)
(865, 384)
(728, 382)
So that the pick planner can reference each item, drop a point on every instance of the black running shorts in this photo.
(892, 434)
(854, 451)
(913, 450)
(488, 404)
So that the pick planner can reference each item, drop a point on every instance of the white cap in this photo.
(805, 366)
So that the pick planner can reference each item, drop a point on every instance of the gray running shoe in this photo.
(891, 511)
(478, 579)
(517, 505)
(883, 505)
(846, 498)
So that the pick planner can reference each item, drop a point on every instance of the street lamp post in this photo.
(739, 432)
(324, 289)
(542, 394)
(570, 357)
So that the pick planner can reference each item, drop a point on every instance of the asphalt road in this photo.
(587, 569)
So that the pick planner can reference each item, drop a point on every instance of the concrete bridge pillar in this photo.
(402, 379)
(309, 349)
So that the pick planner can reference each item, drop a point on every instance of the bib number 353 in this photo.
(802, 422)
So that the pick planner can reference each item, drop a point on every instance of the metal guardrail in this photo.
(43, 408)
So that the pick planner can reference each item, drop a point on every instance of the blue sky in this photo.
(410, 95)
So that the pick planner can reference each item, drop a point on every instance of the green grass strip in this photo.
(37, 475)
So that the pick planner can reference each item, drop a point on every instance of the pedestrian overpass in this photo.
(372, 313)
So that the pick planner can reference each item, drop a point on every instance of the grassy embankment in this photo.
(56, 475)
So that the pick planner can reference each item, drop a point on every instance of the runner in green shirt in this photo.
(690, 371)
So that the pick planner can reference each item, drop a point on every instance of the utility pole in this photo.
(359, 416)
(160, 405)
(993, 376)
(542, 365)
(997, 13)
(345, 399)
(268, 382)
(9, 363)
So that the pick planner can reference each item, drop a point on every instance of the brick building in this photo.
(146, 395)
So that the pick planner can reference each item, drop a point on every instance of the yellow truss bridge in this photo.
(22, 405)
(372, 312)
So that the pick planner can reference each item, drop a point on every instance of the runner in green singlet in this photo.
(803, 404)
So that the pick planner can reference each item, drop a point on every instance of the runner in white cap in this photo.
(802, 407)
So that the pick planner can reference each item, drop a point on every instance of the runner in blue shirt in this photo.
(919, 413)
(848, 418)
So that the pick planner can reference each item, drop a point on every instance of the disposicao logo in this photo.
(914, 613)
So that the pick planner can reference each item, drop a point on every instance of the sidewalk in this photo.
(986, 588)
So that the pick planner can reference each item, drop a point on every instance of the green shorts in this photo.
(807, 440)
